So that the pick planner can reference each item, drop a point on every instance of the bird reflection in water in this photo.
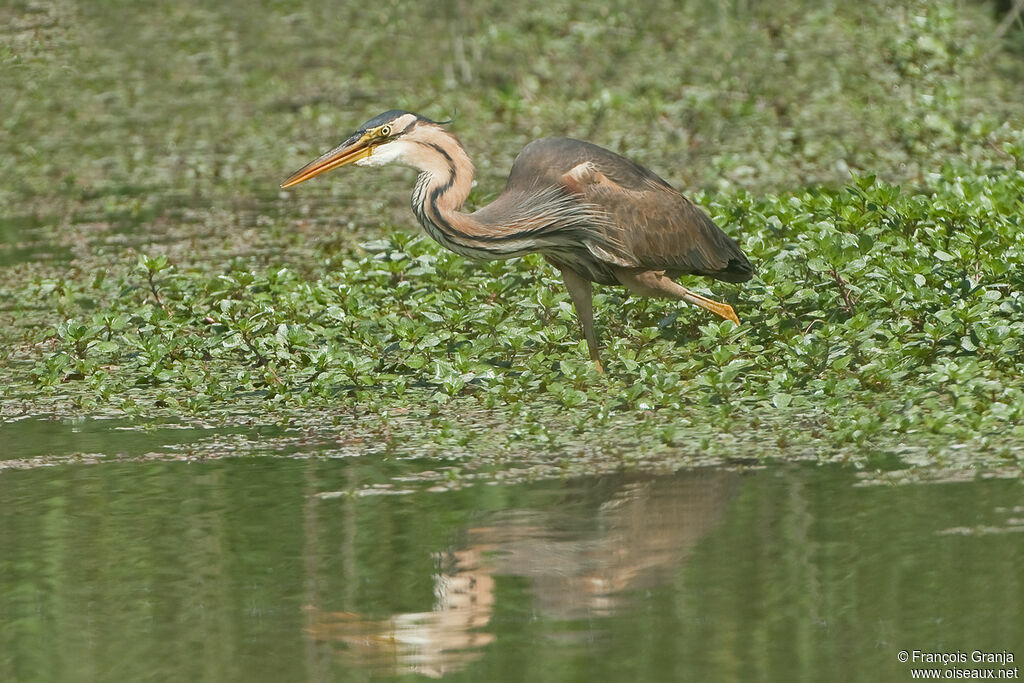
(581, 563)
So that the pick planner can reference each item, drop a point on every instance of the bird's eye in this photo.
(385, 131)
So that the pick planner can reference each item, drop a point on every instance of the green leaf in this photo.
(992, 294)
(104, 347)
(842, 361)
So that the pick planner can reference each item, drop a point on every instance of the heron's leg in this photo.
(656, 283)
(582, 299)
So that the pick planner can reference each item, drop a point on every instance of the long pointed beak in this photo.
(342, 155)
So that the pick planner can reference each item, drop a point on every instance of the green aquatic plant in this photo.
(867, 157)
(877, 314)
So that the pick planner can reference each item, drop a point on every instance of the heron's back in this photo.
(657, 227)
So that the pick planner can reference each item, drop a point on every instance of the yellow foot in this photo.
(728, 313)
(716, 307)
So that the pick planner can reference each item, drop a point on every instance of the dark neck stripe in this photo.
(440, 150)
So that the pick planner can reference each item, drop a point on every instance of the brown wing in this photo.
(658, 228)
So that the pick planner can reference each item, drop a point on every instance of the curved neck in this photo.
(548, 219)
(446, 176)
(444, 168)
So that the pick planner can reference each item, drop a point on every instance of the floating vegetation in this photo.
(885, 327)
(879, 318)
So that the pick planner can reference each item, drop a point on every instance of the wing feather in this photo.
(657, 227)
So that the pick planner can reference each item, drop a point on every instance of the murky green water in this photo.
(258, 569)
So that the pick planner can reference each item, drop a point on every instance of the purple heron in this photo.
(594, 215)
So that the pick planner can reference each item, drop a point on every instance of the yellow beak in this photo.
(342, 155)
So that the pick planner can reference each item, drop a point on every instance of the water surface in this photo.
(284, 569)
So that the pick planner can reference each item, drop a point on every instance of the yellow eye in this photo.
(385, 131)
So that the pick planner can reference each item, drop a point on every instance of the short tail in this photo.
(738, 269)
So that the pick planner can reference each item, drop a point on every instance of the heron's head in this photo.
(391, 136)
